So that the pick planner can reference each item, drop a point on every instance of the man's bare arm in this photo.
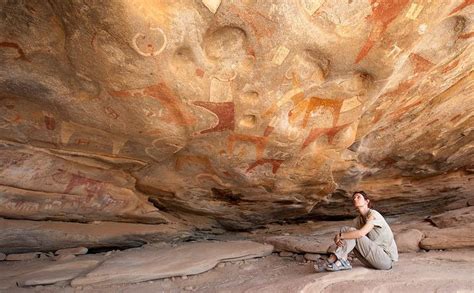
(357, 233)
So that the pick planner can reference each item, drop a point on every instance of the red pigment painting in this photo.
(308, 106)
(259, 142)
(274, 162)
(49, 122)
(15, 46)
(463, 5)
(467, 35)
(176, 109)
(383, 13)
(315, 133)
(450, 66)
(225, 113)
(420, 64)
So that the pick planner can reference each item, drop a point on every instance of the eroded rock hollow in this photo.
(241, 113)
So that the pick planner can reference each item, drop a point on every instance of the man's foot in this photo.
(338, 265)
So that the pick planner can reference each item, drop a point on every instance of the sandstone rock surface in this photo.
(409, 240)
(23, 256)
(187, 259)
(458, 217)
(23, 236)
(54, 273)
(449, 238)
(302, 243)
(246, 112)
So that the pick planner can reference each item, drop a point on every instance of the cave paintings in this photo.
(151, 49)
(383, 13)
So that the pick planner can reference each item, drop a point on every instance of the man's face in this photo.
(358, 200)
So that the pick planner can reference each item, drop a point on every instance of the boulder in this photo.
(286, 253)
(449, 238)
(299, 258)
(299, 244)
(408, 240)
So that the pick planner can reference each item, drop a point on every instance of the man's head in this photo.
(360, 199)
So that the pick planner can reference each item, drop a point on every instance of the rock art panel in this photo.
(273, 104)
(66, 190)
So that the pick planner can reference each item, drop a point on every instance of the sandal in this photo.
(320, 265)
(338, 265)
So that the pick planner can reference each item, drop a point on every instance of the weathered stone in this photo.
(312, 256)
(286, 253)
(454, 218)
(409, 240)
(449, 238)
(64, 257)
(23, 256)
(110, 193)
(23, 236)
(149, 264)
(74, 251)
(3, 256)
(299, 258)
(54, 273)
(298, 244)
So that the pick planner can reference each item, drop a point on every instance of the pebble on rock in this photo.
(23, 256)
(299, 258)
(75, 251)
(286, 254)
(312, 256)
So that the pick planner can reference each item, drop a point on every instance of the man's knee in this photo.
(347, 229)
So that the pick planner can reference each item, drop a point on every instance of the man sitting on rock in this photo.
(372, 240)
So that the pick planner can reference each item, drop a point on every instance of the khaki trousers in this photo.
(367, 251)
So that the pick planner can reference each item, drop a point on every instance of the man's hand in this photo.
(338, 240)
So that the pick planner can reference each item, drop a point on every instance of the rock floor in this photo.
(242, 262)
(433, 271)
